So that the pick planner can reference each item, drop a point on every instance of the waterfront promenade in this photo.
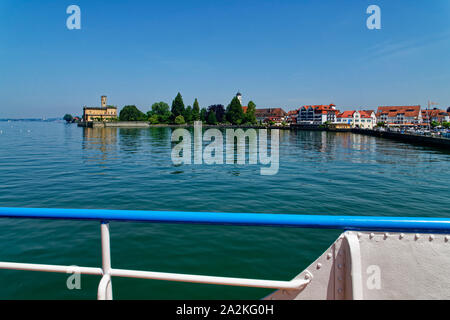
(408, 137)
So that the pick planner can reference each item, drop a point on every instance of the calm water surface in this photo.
(62, 166)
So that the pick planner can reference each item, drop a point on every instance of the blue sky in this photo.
(277, 53)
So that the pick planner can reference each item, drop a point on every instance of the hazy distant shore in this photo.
(32, 119)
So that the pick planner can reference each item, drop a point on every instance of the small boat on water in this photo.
(374, 258)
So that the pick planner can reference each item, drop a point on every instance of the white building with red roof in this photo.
(317, 114)
(367, 119)
(363, 119)
(400, 115)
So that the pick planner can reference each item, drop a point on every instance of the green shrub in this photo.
(179, 120)
(154, 119)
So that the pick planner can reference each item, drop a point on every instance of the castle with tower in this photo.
(104, 113)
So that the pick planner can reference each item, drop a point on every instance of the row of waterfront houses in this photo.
(365, 119)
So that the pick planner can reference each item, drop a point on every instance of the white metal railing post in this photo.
(105, 286)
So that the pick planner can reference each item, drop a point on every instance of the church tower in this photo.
(239, 96)
(103, 100)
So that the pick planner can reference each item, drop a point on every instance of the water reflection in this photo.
(99, 143)
(153, 146)
(130, 139)
(328, 146)
(159, 137)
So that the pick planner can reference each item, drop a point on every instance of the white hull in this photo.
(366, 265)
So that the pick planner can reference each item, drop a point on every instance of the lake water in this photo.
(62, 166)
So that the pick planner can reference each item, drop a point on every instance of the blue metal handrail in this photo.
(356, 223)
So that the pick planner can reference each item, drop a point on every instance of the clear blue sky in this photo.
(277, 53)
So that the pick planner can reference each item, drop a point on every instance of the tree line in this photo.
(161, 113)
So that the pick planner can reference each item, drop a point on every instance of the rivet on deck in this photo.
(319, 265)
(329, 256)
(386, 235)
(431, 237)
(371, 235)
(401, 236)
(417, 236)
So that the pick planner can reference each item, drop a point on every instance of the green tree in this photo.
(235, 114)
(212, 118)
(68, 118)
(179, 120)
(219, 110)
(154, 119)
(188, 114)
(196, 111)
(131, 113)
(434, 124)
(250, 114)
(161, 110)
(203, 115)
(177, 106)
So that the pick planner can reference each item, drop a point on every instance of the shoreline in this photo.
(145, 124)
